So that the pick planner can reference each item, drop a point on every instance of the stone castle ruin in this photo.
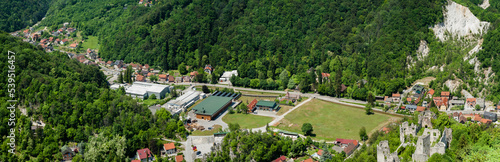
(383, 153)
(430, 142)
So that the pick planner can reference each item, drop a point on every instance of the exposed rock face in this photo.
(423, 50)
(459, 22)
(486, 4)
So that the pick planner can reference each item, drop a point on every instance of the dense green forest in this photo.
(372, 39)
(16, 15)
(75, 103)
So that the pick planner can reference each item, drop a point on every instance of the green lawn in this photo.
(91, 42)
(247, 120)
(331, 121)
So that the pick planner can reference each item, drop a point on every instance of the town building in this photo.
(168, 148)
(266, 105)
(143, 90)
(211, 107)
(290, 97)
(208, 69)
(145, 155)
(282, 158)
(183, 102)
(491, 116)
(288, 134)
(227, 75)
(251, 105)
(396, 97)
(179, 158)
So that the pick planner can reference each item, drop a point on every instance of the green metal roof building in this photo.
(211, 107)
(266, 105)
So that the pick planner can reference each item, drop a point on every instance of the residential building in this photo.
(162, 77)
(266, 105)
(171, 79)
(445, 94)
(193, 74)
(454, 103)
(211, 107)
(441, 103)
(143, 89)
(179, 158)
(282, 158)
(420, 108)
(251, 105)
(491, 116)
(145, 155)
(411, 107)
(317, 155)
(430, 93)
(418, 89)
(290, 97)
(396, 97)
(325, 76)
(470, 103)
(140, 78)
(67, 153)
(208, 69)
(227, 75)
(168, 148)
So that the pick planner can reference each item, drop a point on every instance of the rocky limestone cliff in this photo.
(459, 22)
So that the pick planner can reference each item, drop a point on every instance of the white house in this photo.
(227, 75)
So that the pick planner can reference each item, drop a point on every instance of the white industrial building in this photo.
(143, 89)
(116, 86)
(227, 75)
(183, 101)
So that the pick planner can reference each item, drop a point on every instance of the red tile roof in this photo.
(408, 99)
(485, 121)
(144, 153)
(396, 95)
(26, 31)
(135, 161)
(179, 158)
(346, 141)
(109, 62)
(194, 73)
(252, 104)
(149, 74)
(169, 146)
(350, 148)
(282, 158)
(471, 99)
(171, 78)
(73, 45)
(320, 152)
(445, 93)
(308, 160)
(325, 75)
(420, 108)
(139, 78)
(385, 130)
(162, 76)
(431, 92)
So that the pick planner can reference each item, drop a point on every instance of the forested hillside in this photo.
(75, 103)
(261, 38)
(16, 15)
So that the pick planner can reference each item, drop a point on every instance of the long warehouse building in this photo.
(185, 100)
(143, 90)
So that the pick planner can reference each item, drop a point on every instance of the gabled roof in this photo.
(396, 95)
(308, 160)
(420, 108)
(350, 148)
(252, 104)
(171, 78)
(280, 159)
(445, 93)
(162, 76)
(193, 73)
(266, 103)
(431, 92)
(320, 152)
(408, 99)
(139, 78)
(346, 141)
(144, 153)
(179, 158)
(471, 100)
(325, 75)
(169, 146)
